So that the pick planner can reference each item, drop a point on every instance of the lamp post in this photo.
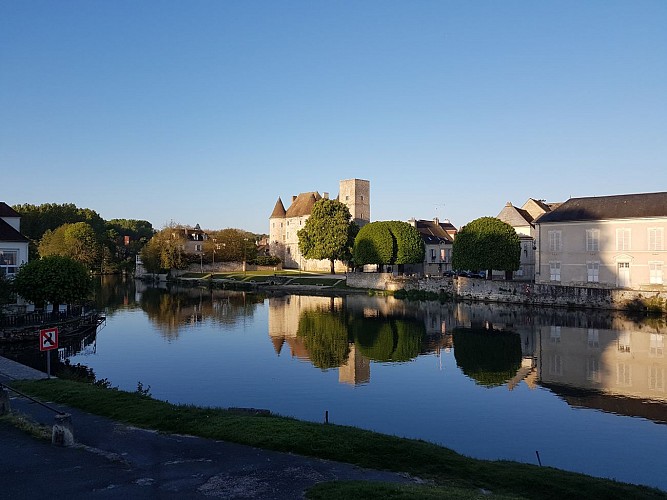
(245, 247)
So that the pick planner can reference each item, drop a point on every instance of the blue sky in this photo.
(207, 111)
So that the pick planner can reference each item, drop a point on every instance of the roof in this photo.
(433, 232)
(625, 206)
(303, 204)
(278, 210)
(8, 233)
(7, 211)
(514, 216)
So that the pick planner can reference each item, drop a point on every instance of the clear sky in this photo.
(207, 111)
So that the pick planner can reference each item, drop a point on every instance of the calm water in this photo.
(586, 390)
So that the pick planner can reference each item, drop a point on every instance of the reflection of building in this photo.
(285, 224)
(357, 370)
(627, 363)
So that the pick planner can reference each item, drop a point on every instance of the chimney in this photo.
(436, 221)
(412, 222)
(293, 198)
(325, 195)
(508, 204)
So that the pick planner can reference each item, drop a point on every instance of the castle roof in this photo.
(624, 206)
(278, 210)
(303, 204)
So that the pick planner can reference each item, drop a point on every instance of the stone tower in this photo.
(356, 194)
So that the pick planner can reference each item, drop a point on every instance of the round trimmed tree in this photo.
(487, 243)
(374, 244)
(54, 279)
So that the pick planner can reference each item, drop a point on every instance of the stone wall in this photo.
(516, 292)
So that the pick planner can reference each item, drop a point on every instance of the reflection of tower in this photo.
(357, 370)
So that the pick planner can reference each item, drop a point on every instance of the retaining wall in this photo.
(512, 291)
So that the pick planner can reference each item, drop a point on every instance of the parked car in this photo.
(478, 274)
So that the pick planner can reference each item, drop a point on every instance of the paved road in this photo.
(112, 460)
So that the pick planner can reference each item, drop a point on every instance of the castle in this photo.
(285, 224)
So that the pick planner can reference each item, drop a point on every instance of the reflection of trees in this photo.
(388, 339)
(490, 357)
(324, 334)
(113, 293)
(171, 309)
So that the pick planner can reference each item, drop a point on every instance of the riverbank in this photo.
(440, 466)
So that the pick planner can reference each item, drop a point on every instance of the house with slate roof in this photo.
(438, 238)
(523, 221)
(284, 224)
(606, 241)
(13, 245)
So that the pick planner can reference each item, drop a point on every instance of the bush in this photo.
(265, 260)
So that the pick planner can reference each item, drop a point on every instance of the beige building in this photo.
(606, 241)
(438, 238)
(523, 221)
(284, 224)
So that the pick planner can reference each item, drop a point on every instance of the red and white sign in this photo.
(48, 339)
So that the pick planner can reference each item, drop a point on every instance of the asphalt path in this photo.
(113, 460)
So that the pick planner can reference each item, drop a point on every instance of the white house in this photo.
(13, 245)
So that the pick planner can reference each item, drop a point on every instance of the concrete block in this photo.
(63, 434)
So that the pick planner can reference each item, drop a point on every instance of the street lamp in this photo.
(245, 247)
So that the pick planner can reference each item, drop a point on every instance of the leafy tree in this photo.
(491, 358)
(487, 243)
(231, 245)
(409, 243)
(327, 233)
(374, 244)
(76, 240)
(388, 242)
(55, 279)
(325, 336)
(166, 250)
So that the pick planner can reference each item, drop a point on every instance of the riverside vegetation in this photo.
(447, 473)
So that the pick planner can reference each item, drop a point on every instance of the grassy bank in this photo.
(346, 444)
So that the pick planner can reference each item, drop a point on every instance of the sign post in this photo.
(48, 340)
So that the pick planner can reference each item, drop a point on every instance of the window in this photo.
(656, 345)
(197, 248)
(8, 260)
(622, 239)
(593, 370)
(593, 268)
(554, 271)
(624, 342)
(593, 338)
(554, 334)
(656, 378)
(623, 374)
(592, 240)
(443, 255)
(362, 197)
(433, 254)
(656, 240)
(655, 272)
(555, 364)
(555, 241)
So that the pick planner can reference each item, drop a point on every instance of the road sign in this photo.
(48, 339)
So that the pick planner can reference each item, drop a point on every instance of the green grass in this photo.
(360, 490)
(346, 444)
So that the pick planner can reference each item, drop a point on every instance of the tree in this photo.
(325, 336)
(231, 245)
(55, 279)
(166, 250)
(77, 240)
(487, 243)
(409, 243)
(374, 244)
(387, 243)
(327, 233)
